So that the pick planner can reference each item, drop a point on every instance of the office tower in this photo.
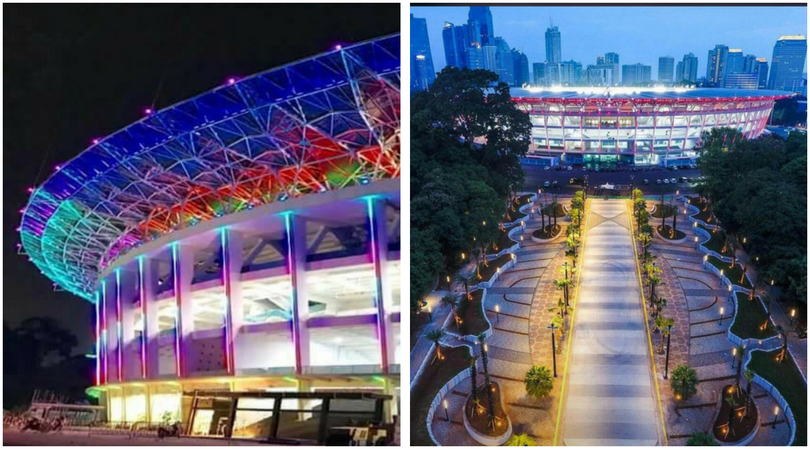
(787, 63)
(553, 45)
(600, 60)
(521, 62)
(477, 58)
(482, 16)
(473, 32)
(505, 67)
(633, 74)
(762, 73)
(665, 66)
(735, 61)
(679, 72)
(569, 73)
(716, 66)
(453, 54)
(690, 64)
(422, 74)
(613, 58)
(599, 75)
(539, 74)
(749, 64)
(489, 53)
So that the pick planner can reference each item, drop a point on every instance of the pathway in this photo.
(610, 398)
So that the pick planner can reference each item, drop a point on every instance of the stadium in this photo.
(241, 249)
(609, 127)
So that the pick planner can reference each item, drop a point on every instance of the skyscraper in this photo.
(569, 73)
(600, 60)
(613, 58)
(483, 17)
(539, 74)
(690, 64)
(505, 64)
(599, 75)
(521, 62)
(453, 53)
(679, 72)
(735, 62)
(787, 63)
(762, 73)
(749, 64)
(489, 53)
(716, 66)
(422, 73)
(553, 45)
(633, 74)
(665, 66)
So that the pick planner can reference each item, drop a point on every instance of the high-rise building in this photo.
(553, 45)
(735, 61)
(716, 65)
(613, 58)
(690, 64)
(483, 17)
(539, 74)
(634, 74)
(599, 75)
(453, 53)
(569, 73)
(679, 72)
(477, 58)
(741, 80)
(473, 32)
(521, 62)
(600, 60)
(762, 73)
(787, 63)
(505, 66)
(422, 73)
(665, 67)
(749, 64)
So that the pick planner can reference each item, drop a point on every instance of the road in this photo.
(610, 399)
(536, 176)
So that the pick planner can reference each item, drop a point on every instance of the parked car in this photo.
(666, 181)
(547, 168)
(646, 181)
(547, 184)
(575, 180)
(554, 184)
(570, 167)
(673, 180)
(658, 181)
(682, 179)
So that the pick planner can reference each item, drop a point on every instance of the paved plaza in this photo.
(610, 398)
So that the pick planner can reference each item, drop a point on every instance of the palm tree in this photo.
(451, 301)
(557, 321)
(731, 405)
(665, 327)
(741, 356)
(542, 217)
(658, 304)
(701, 439)
(538, 381)
(645, 239)
(749, 377)
(684, 382)
(766, 300)
(487, 381)
(466, 280)
(435, 336)
(473, 360)
(784, 335)
(562, 285)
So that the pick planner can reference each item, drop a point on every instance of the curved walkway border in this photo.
(471, 337)
(756, 344)
(437, 399)
(483, 439)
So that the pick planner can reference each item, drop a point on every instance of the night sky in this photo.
(75, 72)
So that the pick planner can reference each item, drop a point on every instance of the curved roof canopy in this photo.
(319, 124)
(664, 95)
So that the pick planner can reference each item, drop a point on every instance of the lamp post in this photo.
(733, 356)
(553, 327)
(498, 312)
(775, 416)
(446, 414)
(696, 242)
(669, 337)
(721, 315)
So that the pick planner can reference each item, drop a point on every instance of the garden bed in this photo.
(732, 273)
(701, 215)
(434, 377)
(750, 316)
(547, 232)
(741, 426)
(480, 422)
(471, 313)
(786, 378)
(666, 232)
(551, 210)
(504, 241)
(517, 214)
(668, 211)
(716, 241)
(492, 266)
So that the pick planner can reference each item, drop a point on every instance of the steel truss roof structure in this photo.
(315, 125)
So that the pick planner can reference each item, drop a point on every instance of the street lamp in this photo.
(722, 310)
(498, 312)
(733, 356)
(775, 416)
(446, 414)
(553, 327)
(669, 337)
(521, 242)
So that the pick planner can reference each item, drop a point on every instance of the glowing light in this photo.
(231, 81)
(338, 47)
(775, 410)
(148, 111)
(95, 141)
(145, 331)
(445, 403)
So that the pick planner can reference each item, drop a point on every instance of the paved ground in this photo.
(610, 399)
(12, 437)
(536, 176)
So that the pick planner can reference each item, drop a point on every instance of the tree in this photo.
(539, 381)
(487, 381)
(701, 439)
(783, 333)
(749, 377)
(731, 405)
(684, 382)
(646, 240)
(466, 280)
(473, 360)
(664, 325)
(521, 440)
(451, 301)
(435, 336)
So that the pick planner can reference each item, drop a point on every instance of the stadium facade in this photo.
(601, 127)
(242, 241)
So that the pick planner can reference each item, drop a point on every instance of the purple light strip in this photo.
(177, 322)
(104, 331)
(98, 339)
(120, 348)
(226, 275)
(142, 294)
(378, 300)
(296, 326)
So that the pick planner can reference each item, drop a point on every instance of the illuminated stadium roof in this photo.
(315, 125)
(649, 94)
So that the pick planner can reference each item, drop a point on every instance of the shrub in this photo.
(521, 440)
(701, 439)
(539, 381)
(684, 381)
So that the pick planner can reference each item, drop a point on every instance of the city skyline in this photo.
(524, 28)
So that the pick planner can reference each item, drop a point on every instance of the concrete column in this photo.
(128, 288)
(232, 278)
(378, 227)
(296, 233)
(183, 265)
(147, 286)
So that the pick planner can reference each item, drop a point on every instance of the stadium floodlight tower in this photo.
(242, 242)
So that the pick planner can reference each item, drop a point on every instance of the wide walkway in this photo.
(610, 398)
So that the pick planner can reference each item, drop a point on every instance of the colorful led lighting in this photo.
(144, 334)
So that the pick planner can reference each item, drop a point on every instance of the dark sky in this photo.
(637, 34)
(74, 72)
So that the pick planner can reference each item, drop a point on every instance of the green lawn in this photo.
(492, 266)
(472, 315)
(433, 378)
(785, 377)
(733, 274)
(750, 316)
(716, 242)
(668, 210)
